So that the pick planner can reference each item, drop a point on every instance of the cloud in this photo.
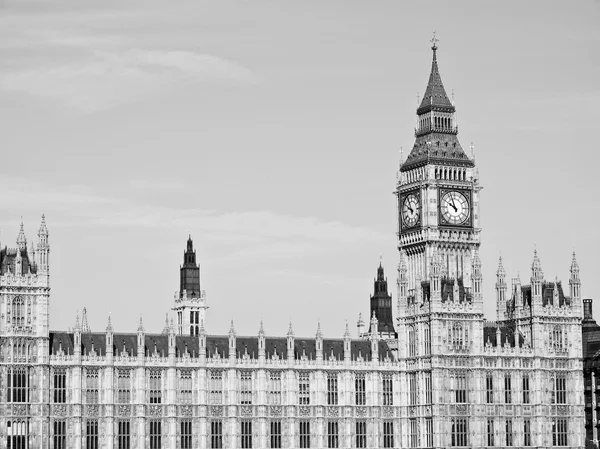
(108, 79)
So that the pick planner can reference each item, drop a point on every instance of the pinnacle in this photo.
(141, 325)
(290, 331)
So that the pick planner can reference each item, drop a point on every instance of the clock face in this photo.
(411, 210)
(454, 208)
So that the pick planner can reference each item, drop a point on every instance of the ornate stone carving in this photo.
(388, 412)
(333, 411)
(92, 410)
(361, 412)
(155, 410)
(246, 410)
(216, 410)
(186, 410)
(124, 410)
(20, 410)
(276, 411)
(303, 411)
(60, 410)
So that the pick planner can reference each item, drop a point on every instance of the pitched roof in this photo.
(435, 96)
(436, 147)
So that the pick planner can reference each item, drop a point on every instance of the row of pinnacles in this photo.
(25, 262)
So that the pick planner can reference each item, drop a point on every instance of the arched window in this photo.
(412, 342)
(556, 338)
(427, 339)
(457, 336)
(18, 312)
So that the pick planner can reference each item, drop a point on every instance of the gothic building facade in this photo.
(436, 375)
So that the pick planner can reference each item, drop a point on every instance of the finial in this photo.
(109, 327)
(401, 155)
(347, 332)
(418, 103)
(452, 96)
(319, 333)
(85, 327)
(231, 329)
(380, 260)
(434, 40)
(472, 150)
(141, 325)
(77, 320)
(290, 330)
(261, 331)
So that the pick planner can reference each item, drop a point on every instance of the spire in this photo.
(231, 329)
(85, 327)
(261, 331)
(202, 330)
(166, 328)
(43, 231)
(536, 266)
(574, 265)
(109, 327)
(435, 95)
(189, 276)
(347, 332)
(77, 327)
(21, 239)
(141, 325)
(290, 332)
(319, 333)
(501, 271)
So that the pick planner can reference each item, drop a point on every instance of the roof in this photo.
(216, 346)
(8, 257)
(435, 96)
(439, 148)
(547, 295)
(507, 332)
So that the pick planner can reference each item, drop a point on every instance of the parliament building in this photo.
(427, 370)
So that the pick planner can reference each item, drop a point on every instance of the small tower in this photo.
(575, 286)
(190, 301)
(232, 344)
(347, 345)
(500, 291)
(290, 345)
(374, 337)
(141, 341)
(435, 276)
(43, 251)
(21, 239)
(262, 341)
(477, 276)
(202, 342)
(109, 340)
(77, 338)
(402, 284)
(381, 305)
(319, 343)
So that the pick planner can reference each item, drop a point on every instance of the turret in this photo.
(537, 277)
(476, 276)
(435, 275)
(575, 285)
(319, 343)
(172, 343)
(381, 304)
(109, 340)
(43, 252)
(402, 284)
(290, 345)
(77, 338)
(360, 324)
(141, 341)
(374, 337)
(232, 344)
(202, 342)
(21, 239)
(347, 345)
(500, 291)
(262, 341)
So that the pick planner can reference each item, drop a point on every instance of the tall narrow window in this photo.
(18, 384)
(246, 434)
(216, 434)
(246, 387)
(185, 387)
(489, 388)
(332, 389)
(186, 434)
(155, 434)
(507, 388)
(91, 434)
(359, 389)
(460, 388)
(429, 432)
(124, 386)
(559, 432)
(59, 388)
(303, 388)
(123, 435)
(361, 433)
(459, 432)
(332, 434)
(59, 437)
(388, 397)
(274, 387)
(412, 388)
(527, 432)
(17, 434)
(388, 434)
(428, 388)
(490, 432)
(275, 434)
(414, 435)
(155, 390)
(216, 387)
(92, 384)
(560, 388)
(412, 341)
(427, 339)
(304, 434)
(509, 432)
(525, 388)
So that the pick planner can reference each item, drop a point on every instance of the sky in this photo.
(270, 131)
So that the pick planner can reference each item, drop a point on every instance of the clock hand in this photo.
(453, 206)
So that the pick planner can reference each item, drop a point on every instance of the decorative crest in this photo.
(434, 40)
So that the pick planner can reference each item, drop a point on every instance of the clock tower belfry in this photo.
(438, 194)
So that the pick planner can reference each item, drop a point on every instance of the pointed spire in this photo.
(43, 231)
(166, 328)
(290, 332)
(472, 147)
(476, 260)
(435, 95)
(141, 325)
(319, 333)
(85, 327)
(261, 331)
(347, 332)
(536, 266)
(21, 239)
(109, 327)
(77, 327)
(574, 264)
(501, 271)
(231, 329)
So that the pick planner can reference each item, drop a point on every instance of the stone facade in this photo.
(439, 376)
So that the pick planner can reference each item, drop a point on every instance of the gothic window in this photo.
(429, 432)
(275, 433)
(332, 434)
(332, 389)
(91, 386)
(459, 432)
(91, 434)
(18, 383)
(185, 387)
(303, 389)
(123, 435)
(59, 434)
(428, 389)
(304, 434)
(274, 387)
(59, 387)
(490, 432)
(18, 312)
(412, 387)
(186, 434)
(246, 434)
(507, 388)
(556, 338)
(123, 386)
(527, 432)
(388, 434)
(460, 388)
(525, 388)
(216, 387)
(155, 384)
(245, 387)
(456, 336)
(414, 435)
(427, 339)
(412, 342)
(216, 434)
(509, 432)
(388, 390)
(559, 392)
(155, 434)
(17, 434)
(559, 432)
(360, 389)
(489, 388)
(361, 433)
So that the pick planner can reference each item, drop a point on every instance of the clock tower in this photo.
(438, 193)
